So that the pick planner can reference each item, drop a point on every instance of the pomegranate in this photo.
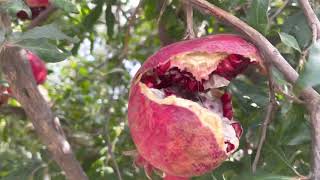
(38, 67)
(36, 7)
(37, 3)
(180, 114)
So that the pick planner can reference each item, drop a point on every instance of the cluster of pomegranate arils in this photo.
(180, 113)
(36, 7)
(39, 72)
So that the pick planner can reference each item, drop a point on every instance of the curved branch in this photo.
(312, 18)
(272, 55)
(189, 34)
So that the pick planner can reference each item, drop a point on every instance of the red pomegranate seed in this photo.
(226, 97)
(226, 100)
(162, 69)
(230, 146)
(235, 60)
(237, 127)
(228, 114)
(192, 86)
(227, 106)
(149, 80)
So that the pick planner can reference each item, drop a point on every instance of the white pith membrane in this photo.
(207, 108)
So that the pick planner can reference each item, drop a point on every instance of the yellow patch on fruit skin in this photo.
(200, 64)
(208, 118)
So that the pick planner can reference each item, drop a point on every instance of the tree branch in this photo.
(18, 73)
(130, 23)
(312, 18)
(42, 16)
(272, 55)
(190, 34)
(162, 31)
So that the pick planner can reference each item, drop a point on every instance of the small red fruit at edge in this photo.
(38, 67)
(37, 3)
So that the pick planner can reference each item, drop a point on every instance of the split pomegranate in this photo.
(178, 122)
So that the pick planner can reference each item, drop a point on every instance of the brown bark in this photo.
(164, 37)
(18, 73)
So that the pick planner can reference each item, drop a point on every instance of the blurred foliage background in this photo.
(89, 90)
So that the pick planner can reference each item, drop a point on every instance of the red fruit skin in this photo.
(228, 43)
(172, 138)
(38, 67)
(37, 3)
(168, 177)
(164, 133)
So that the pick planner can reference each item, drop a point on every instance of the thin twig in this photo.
(43, 16)
(109, 144)
(130, 23)
(268, 118)
(163, 8)
(110, 152)
(279, 11)
(293, 98)
(189, 34)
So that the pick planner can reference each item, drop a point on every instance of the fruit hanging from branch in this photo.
(38, 68)
(178, 122)
(36, 7)
(37, 3)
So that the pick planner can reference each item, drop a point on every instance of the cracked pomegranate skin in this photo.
(176, 135)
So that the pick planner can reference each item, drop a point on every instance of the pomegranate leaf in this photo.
(65, 5)
(110, 20)
(46, 51)
(257, 15)
(297, 26)
(311, 72)
(47, 32)
(290, 41)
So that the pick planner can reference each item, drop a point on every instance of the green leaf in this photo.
(297, 26)
(110, 20)
(45, 50)
(257, 15)
(311, 72)
(290, 41)
(66, 5)
(46, 32)
(94, 15)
